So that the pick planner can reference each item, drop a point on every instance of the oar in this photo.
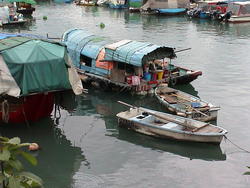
(182, 50)
(185, 123)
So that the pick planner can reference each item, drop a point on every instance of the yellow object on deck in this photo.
(159, 75)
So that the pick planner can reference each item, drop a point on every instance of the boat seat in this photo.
(167, 90)
(169, 99)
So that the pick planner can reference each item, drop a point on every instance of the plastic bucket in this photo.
(160, 75)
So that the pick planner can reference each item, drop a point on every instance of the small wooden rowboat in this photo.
(186, 105)
(165, 125)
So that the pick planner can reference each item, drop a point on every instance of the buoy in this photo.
(33, 147)
(45, 17)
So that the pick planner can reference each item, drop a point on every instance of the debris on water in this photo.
(34, 147)
(102, 25)
(45, 17)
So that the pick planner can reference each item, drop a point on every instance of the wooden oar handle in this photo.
(126, 104)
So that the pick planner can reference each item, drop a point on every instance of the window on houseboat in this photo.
(86, 61)
(121, 66)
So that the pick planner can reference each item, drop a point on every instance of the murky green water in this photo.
(87, 149)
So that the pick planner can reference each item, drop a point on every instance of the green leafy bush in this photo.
(12, 173)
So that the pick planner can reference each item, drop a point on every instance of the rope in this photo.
(236, 145)
(25, 117)
(5, 111)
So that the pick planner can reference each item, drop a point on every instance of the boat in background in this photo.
(25, 7)
(163, 125)
(86, 3)
(117, 4)
(135, 5)
(124, 65)
(238, 12)
(32, 72)
(186, 105)
(165, 7)
(172, 11)
(10, 17)
(208, 9)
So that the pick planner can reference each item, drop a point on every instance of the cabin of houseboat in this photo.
(126, 64)
(132, 65)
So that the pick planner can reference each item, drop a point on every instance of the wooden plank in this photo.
(114, 46)
(169, 99)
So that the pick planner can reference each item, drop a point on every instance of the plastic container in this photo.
(159, 75)
(147, 76)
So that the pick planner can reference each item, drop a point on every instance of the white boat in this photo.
(186, 105)
(165, 125)
(238, 12)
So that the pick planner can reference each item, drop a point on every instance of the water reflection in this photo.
(58, 160)
(104, 104)
(190, 150)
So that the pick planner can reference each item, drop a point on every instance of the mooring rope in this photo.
(236, 145)
(5, 111)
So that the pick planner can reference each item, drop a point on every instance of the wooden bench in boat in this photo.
(166, 90)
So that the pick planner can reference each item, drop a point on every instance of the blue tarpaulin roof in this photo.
(136, 53)
(79, 42)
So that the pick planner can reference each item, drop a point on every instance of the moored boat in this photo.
(86, 3)
(9, 16)
(172, 11)
(186, 105)
(159, 124)
(32, 72)
(125, 65)
(25, 7)
(165, 7)
(208, 9)
(238, 12)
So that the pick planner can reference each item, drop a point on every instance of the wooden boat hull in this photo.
(15, 23)
(27, 109)
(184, 79)
(239, 19)
(145, 127)
(210, 111)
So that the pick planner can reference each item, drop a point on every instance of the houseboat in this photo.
(32, 72)
(124, 65)
(8, 16)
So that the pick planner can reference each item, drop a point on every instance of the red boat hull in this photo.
(31, 108)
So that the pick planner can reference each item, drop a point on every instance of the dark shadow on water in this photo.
(187, 88)
(203, 151)
(58, 159)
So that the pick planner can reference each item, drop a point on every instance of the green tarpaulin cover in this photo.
(36, 65)
(32, 2)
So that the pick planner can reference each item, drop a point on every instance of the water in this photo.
(88, 149)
